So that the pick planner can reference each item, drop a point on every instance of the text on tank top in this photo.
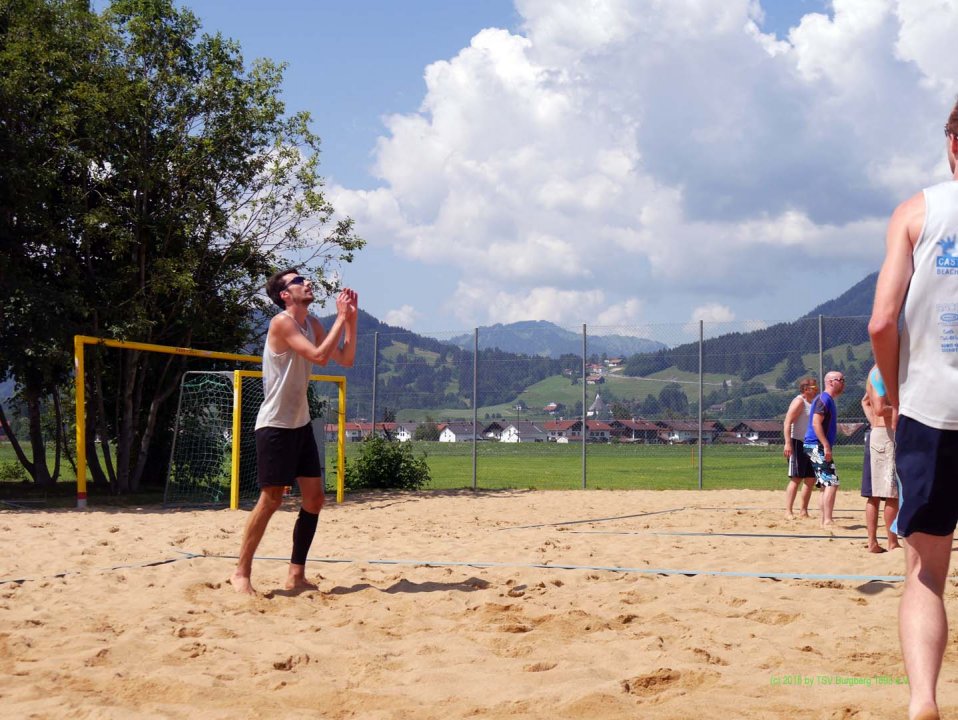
(928, 356)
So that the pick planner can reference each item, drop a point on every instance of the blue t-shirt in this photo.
(823, 405)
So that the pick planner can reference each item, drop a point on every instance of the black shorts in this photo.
(282, 455)
(799, 464)
(927, 463)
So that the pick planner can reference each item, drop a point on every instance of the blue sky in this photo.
(622, 164)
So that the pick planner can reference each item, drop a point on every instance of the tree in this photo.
(53, 80)
(620, 411)
(426, 431)
(651, 406)
(673, 398)
(194, 187)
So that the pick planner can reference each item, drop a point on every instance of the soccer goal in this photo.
(217, 423)
(213, 453)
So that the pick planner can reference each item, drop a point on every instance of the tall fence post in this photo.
(585, 413)
(701, 395)
(475, 404)
(375, 378)
(821, 353)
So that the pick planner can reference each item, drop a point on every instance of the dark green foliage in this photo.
(385, 465)
(426, 431)
(150, 180)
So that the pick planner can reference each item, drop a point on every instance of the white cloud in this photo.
(404, 317)
(713, 312)
(630, 162)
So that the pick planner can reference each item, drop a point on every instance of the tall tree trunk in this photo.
(64, 437)
(158, 399)
(124, 442)
(17, 449)
(41, 473)
(56, 437)
(102, 432)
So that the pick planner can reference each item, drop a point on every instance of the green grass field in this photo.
(550, 466)
(544, 466)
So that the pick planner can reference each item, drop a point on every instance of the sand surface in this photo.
(496, 605)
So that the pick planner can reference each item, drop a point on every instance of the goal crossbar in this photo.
(81, 341)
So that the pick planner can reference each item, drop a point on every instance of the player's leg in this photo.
(891, 512)
(304, 531)
(807, 496)
(871, 523)
(275, 466)
(270, 498)
(828, 504)
(791, 491)
(922, 624)
(310, 480)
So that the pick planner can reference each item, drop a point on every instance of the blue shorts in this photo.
(825, 473)
(927, 462)
(283, 454)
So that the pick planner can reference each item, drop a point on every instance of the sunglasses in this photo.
(298, 280)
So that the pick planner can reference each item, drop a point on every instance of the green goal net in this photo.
(202, 458)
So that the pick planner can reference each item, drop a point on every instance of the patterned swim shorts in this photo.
(825, 473)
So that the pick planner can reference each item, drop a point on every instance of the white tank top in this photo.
(800, 426)
(928, 357)
(285, 379)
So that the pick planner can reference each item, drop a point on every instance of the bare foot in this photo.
(299, 582)
(789, 516)
(242, 584)
(875, 548)
(927, 714)
(827, 523)
(893, 545)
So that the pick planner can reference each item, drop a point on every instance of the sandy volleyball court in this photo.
(120, 614)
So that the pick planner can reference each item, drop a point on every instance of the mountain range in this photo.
(539, 337)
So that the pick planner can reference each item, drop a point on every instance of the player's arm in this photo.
(818, 423)
(283, 329)
(790, 416)
(896, 271)
(345, 354)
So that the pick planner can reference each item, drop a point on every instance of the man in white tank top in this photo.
(285, 447)
(799, 464)
(920, 371)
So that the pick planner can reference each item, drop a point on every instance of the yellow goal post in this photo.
(81, 341)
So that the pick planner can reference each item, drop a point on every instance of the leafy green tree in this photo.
(620, 411)
(651, 406)
(426, 431)
(673, 399)
(53, 85)
(195, 185)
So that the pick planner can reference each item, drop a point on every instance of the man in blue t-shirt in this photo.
(819, 438)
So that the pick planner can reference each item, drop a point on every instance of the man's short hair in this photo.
(275, 285)
(951, 127)
(805, 383)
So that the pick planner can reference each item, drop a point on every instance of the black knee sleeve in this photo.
(303, 533)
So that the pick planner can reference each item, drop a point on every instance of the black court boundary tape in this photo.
(606, 568)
